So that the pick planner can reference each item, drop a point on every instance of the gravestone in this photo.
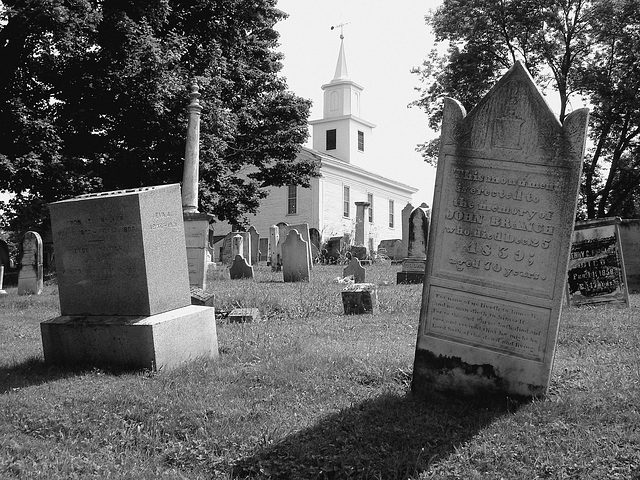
(596, 266)
(315, 242)
(2, 291)
(263, 249)
(240, 269)
(254, 240)
(406, 212)
(274, 241)
(4, 254)
(196, 232)
(237, 244)
(243, 315)
(413, 265)
(630, 239)
(390, 248)
(295, 258)
(505, 199)
(356, 269)
(123, 283)
(360, 298)
(31, 276)
(227, 256)
(303, 230)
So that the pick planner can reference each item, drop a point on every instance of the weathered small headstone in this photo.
(201, 297)
(263, 249)
(419, 231)
(406, 212)
(630, 239)
(596, 266)
(227, 256)
(360, 298)
(303, 230)
(31, 275)
(295, 258)
(240, 269)
(390, 248)
(244, 315)
(356, 269)
(254, 239)
(504, 206)
(274, 241)
(2, 292)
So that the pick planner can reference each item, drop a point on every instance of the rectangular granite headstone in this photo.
(596, 266)
(121, 253)
(503, 213)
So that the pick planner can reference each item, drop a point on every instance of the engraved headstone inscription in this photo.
(503, 213)
(596, 266)
(630, 239)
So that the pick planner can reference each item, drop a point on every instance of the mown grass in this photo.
(307, 392)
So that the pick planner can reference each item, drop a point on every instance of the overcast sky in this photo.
(383, 41)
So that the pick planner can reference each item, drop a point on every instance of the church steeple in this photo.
(341, 132)
(341, 67)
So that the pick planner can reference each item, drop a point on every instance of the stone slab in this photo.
(201, 297)
(157, 342)
(360, 298)
(596, 273)
(630, 239)
(416, 265)
(121, 253)
(504, 206)
(242, 315)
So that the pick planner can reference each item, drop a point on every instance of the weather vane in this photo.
(341, 29)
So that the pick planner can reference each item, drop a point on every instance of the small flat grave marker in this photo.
(360, 298)
(243, 315)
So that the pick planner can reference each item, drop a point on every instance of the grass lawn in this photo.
(307, 392)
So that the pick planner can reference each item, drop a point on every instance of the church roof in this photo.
(327, 159)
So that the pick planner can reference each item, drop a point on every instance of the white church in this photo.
(340, 139)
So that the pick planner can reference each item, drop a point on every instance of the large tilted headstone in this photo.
(123, 283)
(597, 267)
(503, 213)
(630, 239)
(31, 277)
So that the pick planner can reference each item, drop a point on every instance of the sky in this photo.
(383, 40)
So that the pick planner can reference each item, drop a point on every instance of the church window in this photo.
(360, 141)
(370, 200)
(292, 200)
(345, 201)
(331, 139)
(391, 219)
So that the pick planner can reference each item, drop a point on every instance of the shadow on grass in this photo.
(389, 437)
(33, 371)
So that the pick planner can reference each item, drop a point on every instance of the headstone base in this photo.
(360, 298)
(157, 342)
(201, 297)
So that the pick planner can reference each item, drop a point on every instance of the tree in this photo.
(93, 97)
(585, 51)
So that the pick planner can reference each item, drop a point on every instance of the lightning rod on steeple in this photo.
(341, 29)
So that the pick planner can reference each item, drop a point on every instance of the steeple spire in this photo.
(341, 67)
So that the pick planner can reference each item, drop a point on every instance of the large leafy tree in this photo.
(582, 50)
(93, 96)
